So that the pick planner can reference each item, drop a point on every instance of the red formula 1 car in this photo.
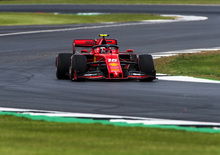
(101, 59)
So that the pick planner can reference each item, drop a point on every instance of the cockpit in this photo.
(105, 49)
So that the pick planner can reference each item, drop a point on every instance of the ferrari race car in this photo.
(101, 59)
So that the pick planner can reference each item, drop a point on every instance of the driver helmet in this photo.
(103, 50)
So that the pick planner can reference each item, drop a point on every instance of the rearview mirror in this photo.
(84, 51)
(129, 50)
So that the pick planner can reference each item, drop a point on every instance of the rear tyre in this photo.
(63, 64)
(146, 65)
(78, 67)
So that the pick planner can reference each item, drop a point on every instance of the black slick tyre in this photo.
(78, 67)
(62, 65)
(146, 65)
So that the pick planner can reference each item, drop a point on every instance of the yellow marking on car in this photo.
(115, 70)
(113, 64)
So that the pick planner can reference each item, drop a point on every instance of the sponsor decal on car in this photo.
(115, 70)
(112, 60)
(113, 64)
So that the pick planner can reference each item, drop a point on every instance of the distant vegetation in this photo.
(51, 18)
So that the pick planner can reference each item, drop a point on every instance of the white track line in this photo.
(187, 79)
(111, 118)
(180, 18)
(172, 53)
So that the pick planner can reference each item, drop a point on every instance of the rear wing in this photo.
(112, 41)
(84, 43)
(91, 42)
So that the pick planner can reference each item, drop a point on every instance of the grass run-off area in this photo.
(21, 136)
(10, 18)
(110, 2)
(202, 65)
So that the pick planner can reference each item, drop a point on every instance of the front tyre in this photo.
(146, 65)
(62, 65)
(78, 67)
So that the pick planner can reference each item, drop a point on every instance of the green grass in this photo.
(202, 65)
(110, 1)
(23, 136)
(50, 18)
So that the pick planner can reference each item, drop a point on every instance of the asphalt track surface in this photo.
(27, 70)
